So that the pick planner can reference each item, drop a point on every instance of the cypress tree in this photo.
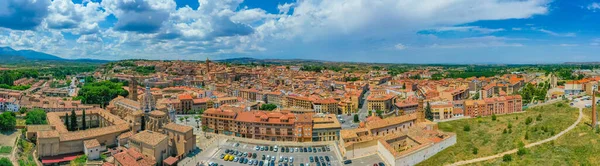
(428, 113)
(67, 121)
(83, 120)
(143, 125)
(73, 120)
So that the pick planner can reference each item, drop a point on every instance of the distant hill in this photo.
(9, 55)
(27, 54)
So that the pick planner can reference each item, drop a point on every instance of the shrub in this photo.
(522, 151)
(467, 128)
(504, 132)
(509, 125)
(597, 130)
(493, 117)
(539, 117)
(475, 151)
(528, 120)
(526, 136)
(507, 158)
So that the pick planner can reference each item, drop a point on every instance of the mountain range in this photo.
(8, 54)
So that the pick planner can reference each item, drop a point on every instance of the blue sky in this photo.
(398, 31)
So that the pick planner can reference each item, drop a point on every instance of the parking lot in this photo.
(280, 156)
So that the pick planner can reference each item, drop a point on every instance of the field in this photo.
(487, 136)
(579, 146)
(5, 149)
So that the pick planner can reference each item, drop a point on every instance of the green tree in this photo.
(101, 92)
(7, 121)
(36, 117)
(5, 162)
(507, 158)
(476, 96)
(268, 107)
(522, 151)
(67, 121)
(428, 113)
(83, 120)
(356, 120)
(73, 120)
(493, 117)
(379, 113)
(475, 150)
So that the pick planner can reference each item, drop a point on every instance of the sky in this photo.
(388, 31)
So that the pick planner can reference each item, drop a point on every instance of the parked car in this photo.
(348, 162)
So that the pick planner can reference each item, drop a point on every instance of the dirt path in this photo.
(526, 146)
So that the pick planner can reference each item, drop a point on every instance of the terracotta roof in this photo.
(149, 137)
(131, 157)
(185, 97)
(48, 134)
(91, 143)
(391, 121)
(170, 161)
(178, 127)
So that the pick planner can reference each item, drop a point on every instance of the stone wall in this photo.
(424, 153)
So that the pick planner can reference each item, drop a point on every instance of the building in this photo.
(263, 125)
(152, 144)
(182, 140)
(495, 105)
(131, 157)
(384, 103)
(57, 140)
(298, 102)
(442, 110)
(92, 149)
(325, 128)
(400, 140)
(327, 106)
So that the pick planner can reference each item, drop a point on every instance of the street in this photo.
(362, 115)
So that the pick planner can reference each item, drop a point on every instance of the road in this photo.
(362, 114)
(526, 146)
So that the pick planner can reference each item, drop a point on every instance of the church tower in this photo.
(133, 88)
(420, 111)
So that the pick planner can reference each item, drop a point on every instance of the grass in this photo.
(579, 146)
(5, 149)
(489, 136)
(20, 122)
(25, 156)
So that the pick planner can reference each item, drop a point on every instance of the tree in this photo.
(379, 113)
(476, 96)
(507, 158)
(268, 107)
(181, 119)
(356, 120)
(67, 121)
(36, 117)
(5, 162)
(197, 118)
(7, 121)
(143, 125)
(83, 120)
(73, 120)
(493, 117)
(428, 113)
(475, 150)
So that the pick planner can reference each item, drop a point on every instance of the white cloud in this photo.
(517, 29)
(221, 27)
(557, 34)
(593, 6)
(284, 8)
(468, 29)
(400, 46)
(476, 42)
(568, 45)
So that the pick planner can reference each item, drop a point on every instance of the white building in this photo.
(92, 149)
(12, 105)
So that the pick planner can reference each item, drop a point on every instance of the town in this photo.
(141, 112)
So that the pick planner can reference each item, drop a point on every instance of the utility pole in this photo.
(594, 114)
